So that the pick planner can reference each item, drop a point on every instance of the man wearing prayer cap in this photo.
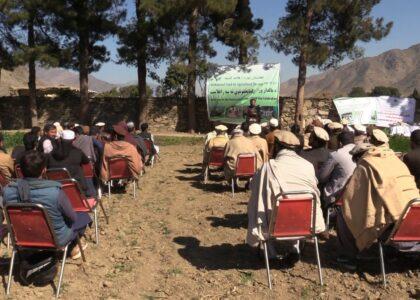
(219, 140)
(318, 154)
(287, 172)
(334, 129)
(360, 135)
(259, 143)
(379, 138)
(238, 144)
(274, 127)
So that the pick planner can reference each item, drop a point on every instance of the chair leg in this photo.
(206, 175)
(109, 189)
(60, 280)
(82, 252)
(9, 280)
(95, 213)
(233, 187)
(8, 240)
(318, 260)
(134, 189)
(328, 218)
(99, 192)
(267, 264)
(382, 261)
(103, 210)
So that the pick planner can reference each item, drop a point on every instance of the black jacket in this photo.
(412, 160)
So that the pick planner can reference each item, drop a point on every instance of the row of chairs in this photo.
(29, 224)
(246, 165)
(294, 218)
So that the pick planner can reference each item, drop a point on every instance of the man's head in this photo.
(36, 131)
(78, 130)
(378, 137)
(220, 129)
(94, 131)
(255, 129)
(144, 127)
(253, 102)
(29, 141)
(245, 127)
(285, 140)
(33, 164)
(274, 124)
(130, 126)
(119, 132)
(50, 131)
(318, 138)
(415, 139)
(237, 132)
(346, 138)
(359, 150)
(359, 130)
(68, 135)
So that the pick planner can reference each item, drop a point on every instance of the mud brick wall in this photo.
(163, 114)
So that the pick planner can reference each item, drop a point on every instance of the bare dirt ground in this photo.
(180, 239)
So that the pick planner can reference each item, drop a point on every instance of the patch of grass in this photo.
(399, 143)
(305, 293)
(191, 199)
(13, 139)
(178, 140)
(123, 267)
(246, 277)
(174, 271)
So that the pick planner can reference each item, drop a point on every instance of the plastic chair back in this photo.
(246, 165)
(18, 171)
(57, 174)
(149, 145)
(293, 216)
(88, 170)
(30, 225)
(76, 198)
(408, 228)
(217, 156)
(118, 168)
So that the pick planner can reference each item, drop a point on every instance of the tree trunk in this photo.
(192, 68)
(243, 49)
(141, 65)
(32, 75)
(243, 54)
(300, 92)
(84, 76)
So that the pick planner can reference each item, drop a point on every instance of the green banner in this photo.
(230, 90)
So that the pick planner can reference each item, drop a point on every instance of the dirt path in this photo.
(179, 239)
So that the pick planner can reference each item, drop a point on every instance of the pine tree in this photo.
(7, 41)
(322, 33)
(237, 30)
(357, 91)
(144, 41)
(83, 25)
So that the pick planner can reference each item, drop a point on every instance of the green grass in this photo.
(13, 139)
(399, 143)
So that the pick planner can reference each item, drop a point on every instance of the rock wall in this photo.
(164, 114)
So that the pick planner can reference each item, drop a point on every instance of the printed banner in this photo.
(229, 91)
(381, 111)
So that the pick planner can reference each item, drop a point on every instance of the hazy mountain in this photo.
(397, 68)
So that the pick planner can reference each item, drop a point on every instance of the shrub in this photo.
(13, 139)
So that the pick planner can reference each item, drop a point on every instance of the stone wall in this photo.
(164, 114)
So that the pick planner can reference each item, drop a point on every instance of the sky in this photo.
(405, 33)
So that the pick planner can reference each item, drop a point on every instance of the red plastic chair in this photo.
(406, 229)
(149, 146)
(31, 229)
(293, 218)
(118, 169)
(57, 174)
(246, 166)
(18, 171)
(88, 170)
(216, 159)
(80, 203)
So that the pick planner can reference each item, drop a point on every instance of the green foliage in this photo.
(178, 140)
(385, 91)
(324, 32)
(399, 143)
(13, 139)
(357, 91)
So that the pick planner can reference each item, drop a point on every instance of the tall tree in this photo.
(7, 41)
(36, 43)
(144, 41)
(322, 33)
(238, 30)
(83, 26)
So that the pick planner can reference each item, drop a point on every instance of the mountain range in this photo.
(396, 68)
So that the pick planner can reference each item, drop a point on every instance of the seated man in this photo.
(48, 141)
(360, 135)
(66, 223)
(219, 140)
(374, 198)
(30, 142)
(259, 143)
(274, 127)
(287, 172)
(145, 134)
(334, 129)
(338, 169)
(412, 158)
(7, 165)
(119, 147)
(84, 143)
(379, 139)
(318, 154)
(238, 145)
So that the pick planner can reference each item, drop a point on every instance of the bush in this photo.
(399, 143)
(12, 139)
(178, 140)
